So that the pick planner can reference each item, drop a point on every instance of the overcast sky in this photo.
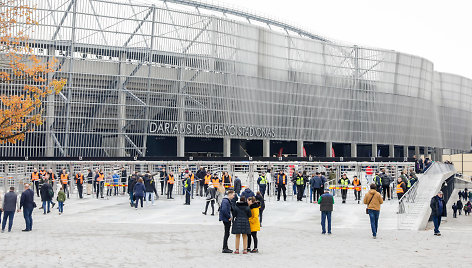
(440, 31)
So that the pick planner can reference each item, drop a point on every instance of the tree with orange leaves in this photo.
(23, 76)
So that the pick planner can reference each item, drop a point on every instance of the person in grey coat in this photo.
(237, 186)
(210, 198)
(241, 215)
(8, 208)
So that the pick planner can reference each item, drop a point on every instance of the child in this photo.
(454, 208)
(61, 198)
(253, 223)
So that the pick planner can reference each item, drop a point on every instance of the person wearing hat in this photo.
(326, 202)
(438, 210)
(344, 182)
(210, 197)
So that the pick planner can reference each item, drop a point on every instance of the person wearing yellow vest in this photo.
(281, 181)
(170, 185)
(100, 180)
(300, 182)
(79, 181)
(188, 188)
(357, 189)
(262, 182)
(65, 181)
(344, 182)
(192, 179)
(401, 188)
(35, 180)
(207, 180)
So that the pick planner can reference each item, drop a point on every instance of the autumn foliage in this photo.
(24, 80)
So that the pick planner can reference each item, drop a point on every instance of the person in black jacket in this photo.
(27, 203)
(210, 198)
(123, 177)
(131, 183)
(163, 180)
(241, 215)
(225, 217)
(150, 185)
(386, 180)
(438, 210)
(187, 189)
(260, 199)
(200, 176)
(459, 206)
(46, 197)
(89, 182)
(237, 186)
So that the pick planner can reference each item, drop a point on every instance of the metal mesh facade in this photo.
(130, 65)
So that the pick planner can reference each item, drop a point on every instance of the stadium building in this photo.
(185, 78)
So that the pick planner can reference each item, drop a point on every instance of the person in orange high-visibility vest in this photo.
(100, 180)
(216, 181)
(170, 185)
(357, 189)
(401, 188)
(35, 180)
(79, 181)
(42, 173)
(65, 181)
(52, 178)
(226, 179)
(281, 181)
(192, 179)
(207, 181)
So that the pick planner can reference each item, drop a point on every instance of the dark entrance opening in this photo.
(342, 149)
(161, 146)
(283, 148)
(315, 149)
(246, 148)
(207, 147)
(382, 150)
(364, 150)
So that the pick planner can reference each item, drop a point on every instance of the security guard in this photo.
(65, 181)
(300, 182)
(216, 181)
(344, 182)
(226, 179)
(79, 181)
(281, 181)
(100, 178)
(192, 180)
(170, 184)
(207, 181)
(188, 188)
(378, 182)
(262, 182)
(401, 188)
(357, 188)
(35, 180)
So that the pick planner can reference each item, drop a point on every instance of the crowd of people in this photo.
(458, 206)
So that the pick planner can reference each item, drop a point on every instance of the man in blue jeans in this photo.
(373, 200)
(27, 203)
(438, 210)
(8, 208)
(326, 202)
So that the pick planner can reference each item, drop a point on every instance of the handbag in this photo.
(367, 209)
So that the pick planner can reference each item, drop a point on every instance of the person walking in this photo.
(300, 182)
(459, 206)
(28, 204)
(454, 209)
(344, 182)
(61, 198)
(467, 208)
(150, 188)
(116, 182)
(241, 227)
(377, 180)
(89, 182)
(206, 181)
(210, 198)
(65, 181)
(438, 210)
(237, 186)
(326, 202)
(260, 199)
(163, 180)
(139, 190)
(262, 182)
(386, 180)
(170, 185)
(46, 196)
(373, 200)
(281, 181)
(401, 188)
(317, 186)
(52, 179)
(132, 180)
(225, 217)
(357, 189)
(123, 178)
(8, 208)
(254, 224)
(79, 181)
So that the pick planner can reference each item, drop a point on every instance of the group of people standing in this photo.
(465, 195)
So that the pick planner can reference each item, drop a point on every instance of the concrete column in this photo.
(180, 146)
(426, 155)
(440, 154)
(226, 147)
(391, 150)
(417, 151)
(121, 107)
(49, 118)
(300, 148)
(353, 149)
(266, 148)
(329, 145)
(405, 151)
(374, 150)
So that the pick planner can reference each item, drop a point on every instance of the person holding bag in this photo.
(373, 200)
